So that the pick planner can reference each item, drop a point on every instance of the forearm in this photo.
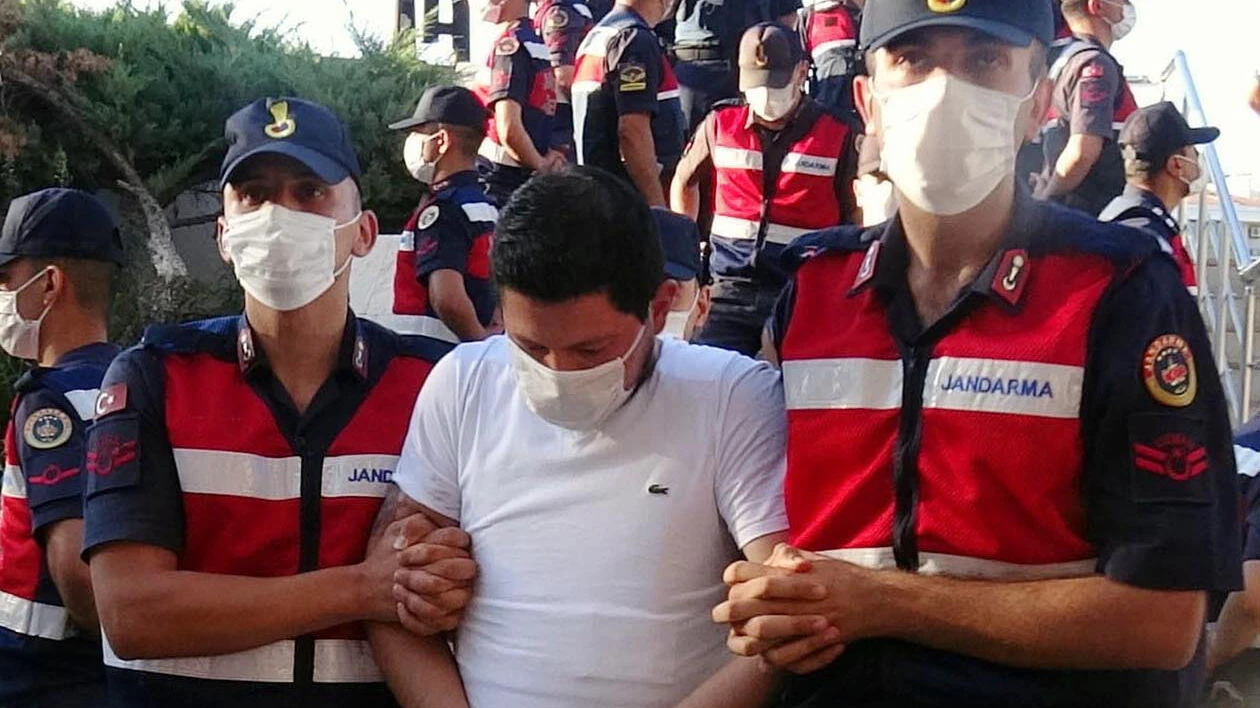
(638, 153)
(1079, 623)
(515, 138)
(460, 316)
(684, 198)
(63, 543)
(1074, 163)
(181, 613)
(1236, 630)
(740, 684)
(419, 670)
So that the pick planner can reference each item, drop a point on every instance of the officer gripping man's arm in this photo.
(58, 253)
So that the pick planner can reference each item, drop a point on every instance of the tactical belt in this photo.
(711, 52)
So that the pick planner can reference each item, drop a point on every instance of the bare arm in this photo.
(1049, 624)
(150, 609)
(63, 543)
(638, 152)
(450, 300)
(414, 656)
(1239, 624)
(1074, 163)
(684, 190)
(511, 128)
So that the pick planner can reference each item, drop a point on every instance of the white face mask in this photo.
(772, 104)
(284, 258)
(576, 400)
(18, 336)
(676, 320)
(1195, 185)
(1122, 27)
(413, 156)
(948, 143)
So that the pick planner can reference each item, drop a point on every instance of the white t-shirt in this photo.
(593, 590)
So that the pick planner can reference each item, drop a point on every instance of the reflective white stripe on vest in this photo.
(478, 211)
(746, 230)
(596, 42)
(240, 474)
(822, 384)
(1248, 461)
(822, 49)
(1000, 386)
(537, 50)
(965, 566)
(14, 485)
(732, 158)
(668, 94)
(422, 325)
(34, 619)
(496, 153)
(84, 402)
(336, 661)
(407, 241)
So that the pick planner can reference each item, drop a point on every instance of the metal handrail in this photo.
(1222, 244)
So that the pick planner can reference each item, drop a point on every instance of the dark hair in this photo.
(91, 282)
(1074, 9)
(577, 232)
(467, 140)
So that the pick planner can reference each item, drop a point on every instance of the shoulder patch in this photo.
(1168, 371)
(47, 428)
(428, 217)
(558, 18)
(507, 46)
(632, 77)
(111, 400)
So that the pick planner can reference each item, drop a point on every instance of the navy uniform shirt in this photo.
(1247, 452)
(1141, 209)
(52, 467)
(134, 492)
(621, 69)
(1158, 517)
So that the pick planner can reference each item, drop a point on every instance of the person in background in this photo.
(1234, 635)
(237, 464)
(569, 514)
(518, 87)
(442, 278)
(563, 25)
(1083, 168)
(1161, 166)
(781, 167)
(680, 240)
(626, 115)
(830, 31)
(59, 251)
(1010, 475)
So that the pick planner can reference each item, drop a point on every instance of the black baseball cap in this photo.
(680, 239)
(454, 105)
(768, 54)
(300, 129)
(60, 223)
(1159, 131)
(1016, 22)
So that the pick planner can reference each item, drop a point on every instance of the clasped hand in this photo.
(433, 573)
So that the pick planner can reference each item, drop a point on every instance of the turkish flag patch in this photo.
(111, 400)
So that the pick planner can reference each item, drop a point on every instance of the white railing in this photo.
(1227, 271)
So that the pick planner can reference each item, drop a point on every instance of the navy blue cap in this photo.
(60, 223)
(1156, 133)
(453, 105)
(1016, 22)
(302, 130)
(680, 239)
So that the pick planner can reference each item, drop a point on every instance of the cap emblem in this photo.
(283, 124)
(946, 5)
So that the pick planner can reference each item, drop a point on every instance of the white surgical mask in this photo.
(413, 156)
(772, 104)
(284, 258)
(577, 400)
(1195, 185)
(676, 320)
(1122, 27)
(948, 143)
(19, 336)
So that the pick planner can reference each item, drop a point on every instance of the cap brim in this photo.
(324, 167)
(998, 30)
(677, 271)
(1199, 136)
(7, 258)
(771, 78)
(408, 123)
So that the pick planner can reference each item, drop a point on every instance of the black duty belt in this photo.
(699, 53)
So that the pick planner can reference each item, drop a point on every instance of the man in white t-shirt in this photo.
(605, 476)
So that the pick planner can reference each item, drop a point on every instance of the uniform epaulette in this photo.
(838, 239)
(1068, 230)
(217, 334)
(413, 345)
(29, 380)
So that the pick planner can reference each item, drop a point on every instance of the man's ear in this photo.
(864, 99)
(55, 285)
(365, 239)
(1041, 98)
(659, 307)
(220, 227)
